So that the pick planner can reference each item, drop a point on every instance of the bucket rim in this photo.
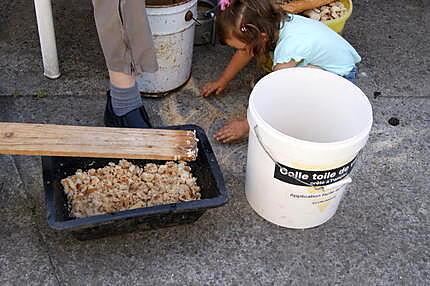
(364, 133)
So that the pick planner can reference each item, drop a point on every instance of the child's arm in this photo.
(239, 60)
(290, 64)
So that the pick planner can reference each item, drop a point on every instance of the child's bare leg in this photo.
(233, 131)
(121, 80)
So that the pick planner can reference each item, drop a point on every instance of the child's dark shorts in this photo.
(352, 76)
(125, 35)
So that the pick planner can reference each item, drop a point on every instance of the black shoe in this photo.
(137, 118)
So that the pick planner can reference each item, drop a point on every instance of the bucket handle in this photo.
(341, 183)
(213, 39)
(190, 16)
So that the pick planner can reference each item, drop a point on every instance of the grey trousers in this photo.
(125, 35)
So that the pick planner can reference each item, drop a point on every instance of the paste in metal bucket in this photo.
(163, 3)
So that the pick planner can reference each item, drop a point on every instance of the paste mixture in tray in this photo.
(123, 186)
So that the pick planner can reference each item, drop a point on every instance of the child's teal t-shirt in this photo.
(311, 42)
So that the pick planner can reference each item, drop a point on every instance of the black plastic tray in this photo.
(205, 169)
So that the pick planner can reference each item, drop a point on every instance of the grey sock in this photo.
(125, 100)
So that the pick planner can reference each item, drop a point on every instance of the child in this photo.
(257, 27)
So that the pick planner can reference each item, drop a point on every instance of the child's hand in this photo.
(234, 131)
(213, 87)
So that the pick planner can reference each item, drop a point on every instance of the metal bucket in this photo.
(205, 27)
(172, 25)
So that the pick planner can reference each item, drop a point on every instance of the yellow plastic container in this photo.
(338, 24)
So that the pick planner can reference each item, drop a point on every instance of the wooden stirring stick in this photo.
(97, 142)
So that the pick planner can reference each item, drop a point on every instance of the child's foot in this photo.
(232, 132)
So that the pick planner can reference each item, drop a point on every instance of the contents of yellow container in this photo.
(338, 24)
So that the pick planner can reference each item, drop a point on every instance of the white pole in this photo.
(45, 26)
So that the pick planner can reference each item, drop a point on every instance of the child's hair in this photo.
(245, 20)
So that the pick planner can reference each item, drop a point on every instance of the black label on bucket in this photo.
(312, 178)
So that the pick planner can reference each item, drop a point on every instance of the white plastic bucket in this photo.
(313, 124)
(172, 28)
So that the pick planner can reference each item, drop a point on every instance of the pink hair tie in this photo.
(224, 4)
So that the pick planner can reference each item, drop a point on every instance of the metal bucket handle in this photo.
(190, 16)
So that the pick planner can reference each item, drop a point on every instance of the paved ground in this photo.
(380, 235)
